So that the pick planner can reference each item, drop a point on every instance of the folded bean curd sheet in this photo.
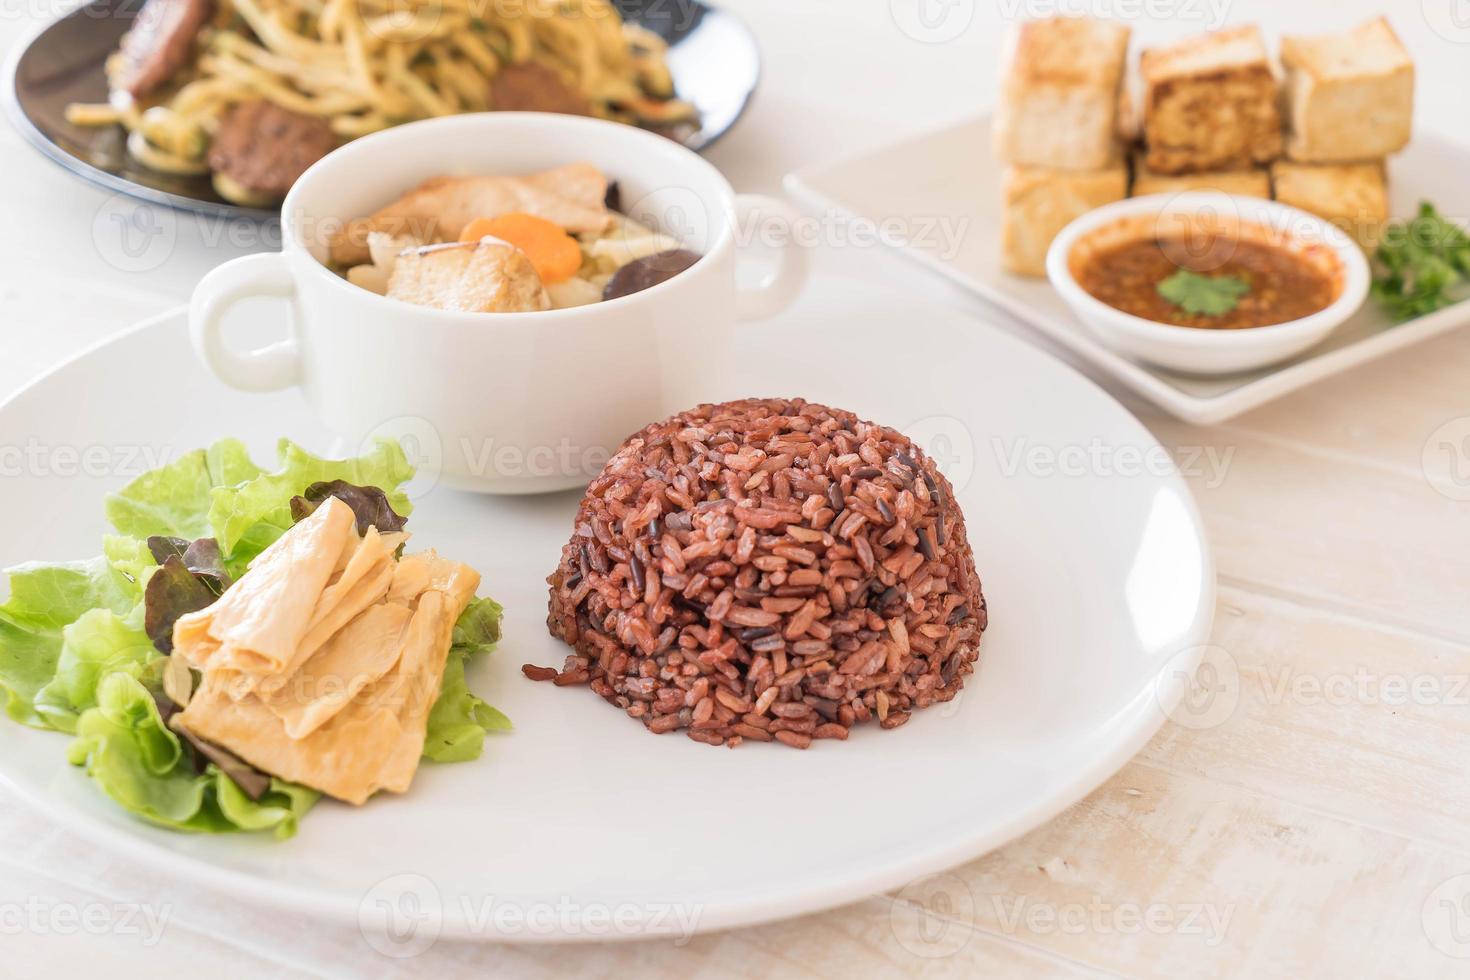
(321, 664)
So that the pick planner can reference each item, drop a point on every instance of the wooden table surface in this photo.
(1308, 815)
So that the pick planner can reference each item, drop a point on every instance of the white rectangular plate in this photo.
(942, 191)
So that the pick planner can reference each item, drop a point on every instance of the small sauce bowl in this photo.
(1195, 221)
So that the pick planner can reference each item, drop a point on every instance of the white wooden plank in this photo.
(1330, 529)
(1364, 722)
(1167, 874)
(1382, 414)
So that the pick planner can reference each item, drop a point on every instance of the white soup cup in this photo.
(501, 402)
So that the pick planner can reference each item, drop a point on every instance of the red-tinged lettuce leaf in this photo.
(201, 557)
(252, 782)
(173, 592)
(370, 504)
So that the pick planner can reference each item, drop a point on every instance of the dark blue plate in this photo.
(712, 55)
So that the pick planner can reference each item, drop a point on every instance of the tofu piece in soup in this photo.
(469, 277)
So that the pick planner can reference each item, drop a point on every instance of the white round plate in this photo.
(582, 825)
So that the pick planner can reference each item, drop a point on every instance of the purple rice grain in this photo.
(767, 570)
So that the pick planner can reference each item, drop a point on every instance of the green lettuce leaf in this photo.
(99, 643)
(278, 810)
(219, 492)
(75, 653)
(459, 720)
(174, 500)
(44, 600)
(133, 757)
(248, 517)
(131, 556)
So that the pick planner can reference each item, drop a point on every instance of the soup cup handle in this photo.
(269, 368)
(777, 290)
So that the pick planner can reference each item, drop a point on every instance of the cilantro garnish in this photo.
(1421, 265)
(1209, 295)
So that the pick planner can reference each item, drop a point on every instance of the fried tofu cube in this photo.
(1353, 196)
(1349, 96)
(1210, 103)
(487, 276)
(1039, 203)
(1250, 181)
(1060, 80)
(1130, 109)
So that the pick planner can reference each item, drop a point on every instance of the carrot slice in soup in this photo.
(555, 254)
